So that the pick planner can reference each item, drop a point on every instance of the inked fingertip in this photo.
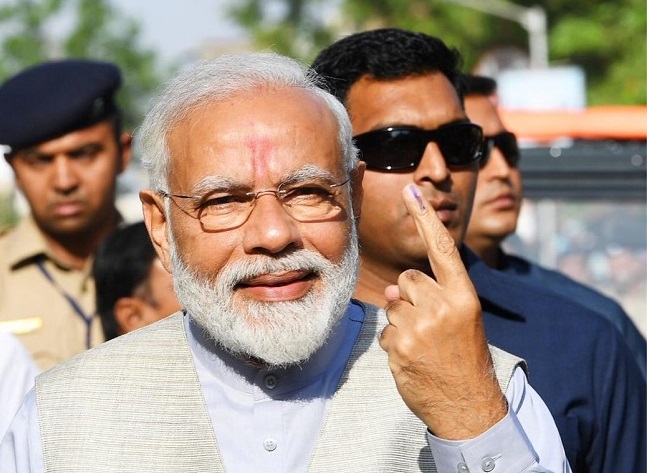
(415, 192)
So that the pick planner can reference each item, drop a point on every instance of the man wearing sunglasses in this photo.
(497, 204)
(403, 93)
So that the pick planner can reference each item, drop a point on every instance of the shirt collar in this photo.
(243, 377)
(26, 243)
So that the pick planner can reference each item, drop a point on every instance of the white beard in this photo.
(278, 333)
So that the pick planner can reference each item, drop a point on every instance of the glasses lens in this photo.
(313, 201)
(486, 150)
(402, 148)
(460, 143)
(391, 149)
(507, 143)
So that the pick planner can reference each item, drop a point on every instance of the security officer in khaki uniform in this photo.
(62, 126)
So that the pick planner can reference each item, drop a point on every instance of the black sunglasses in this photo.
(402, 147)
(507, 144)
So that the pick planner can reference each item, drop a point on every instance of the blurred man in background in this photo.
(495, 213)
(133, 288)
(62, 125)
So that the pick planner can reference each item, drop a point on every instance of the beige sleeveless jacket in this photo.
(135, 405)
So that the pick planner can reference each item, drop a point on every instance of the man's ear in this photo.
(358, 190)
(10, 159)
(126, 150)
(128, 314)
(156, 222)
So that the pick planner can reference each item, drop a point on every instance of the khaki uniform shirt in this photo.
(35, 308)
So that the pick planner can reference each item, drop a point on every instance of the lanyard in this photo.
(70, 300)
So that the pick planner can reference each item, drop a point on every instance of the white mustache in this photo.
(259, 265)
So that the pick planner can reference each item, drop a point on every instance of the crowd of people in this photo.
(317, 282)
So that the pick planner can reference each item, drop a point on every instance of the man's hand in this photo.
(435, 339)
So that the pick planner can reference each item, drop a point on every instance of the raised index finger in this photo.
(443, 255)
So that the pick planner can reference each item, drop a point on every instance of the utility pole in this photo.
(532, 19)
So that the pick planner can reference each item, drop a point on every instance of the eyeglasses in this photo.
(507, 144)
(223, 210)
(402, 147)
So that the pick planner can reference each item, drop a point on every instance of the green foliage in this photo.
(8, 216)
(611, 46)
(24, 39)
(607, 38)
(97, 31)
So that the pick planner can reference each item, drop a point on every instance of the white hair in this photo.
(217, 79)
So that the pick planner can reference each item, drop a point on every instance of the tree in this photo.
(606, 38)
(610, 42)
(97, 31)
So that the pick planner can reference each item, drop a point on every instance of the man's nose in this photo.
(432, 166)
(269, 228)
(64, 174)
(497, 165)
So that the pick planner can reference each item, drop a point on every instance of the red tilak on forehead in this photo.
(261, 152)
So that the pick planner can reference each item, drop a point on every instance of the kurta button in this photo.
(270, 381)
(269, 444)
(462, 468)
(488, 464)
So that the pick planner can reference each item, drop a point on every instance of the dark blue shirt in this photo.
(578, 363)
(584, 295)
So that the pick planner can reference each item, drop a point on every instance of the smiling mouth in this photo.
(278, 279)
(279, 286)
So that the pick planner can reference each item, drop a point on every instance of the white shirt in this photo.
(17, 373)
(269, 420)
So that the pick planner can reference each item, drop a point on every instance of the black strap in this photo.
(71, 301)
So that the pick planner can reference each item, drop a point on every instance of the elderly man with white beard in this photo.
(255, 188)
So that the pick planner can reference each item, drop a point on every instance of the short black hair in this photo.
(122, 263)
(387, 53)
(479, 85)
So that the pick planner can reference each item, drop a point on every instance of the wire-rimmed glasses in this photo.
(309, 201)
